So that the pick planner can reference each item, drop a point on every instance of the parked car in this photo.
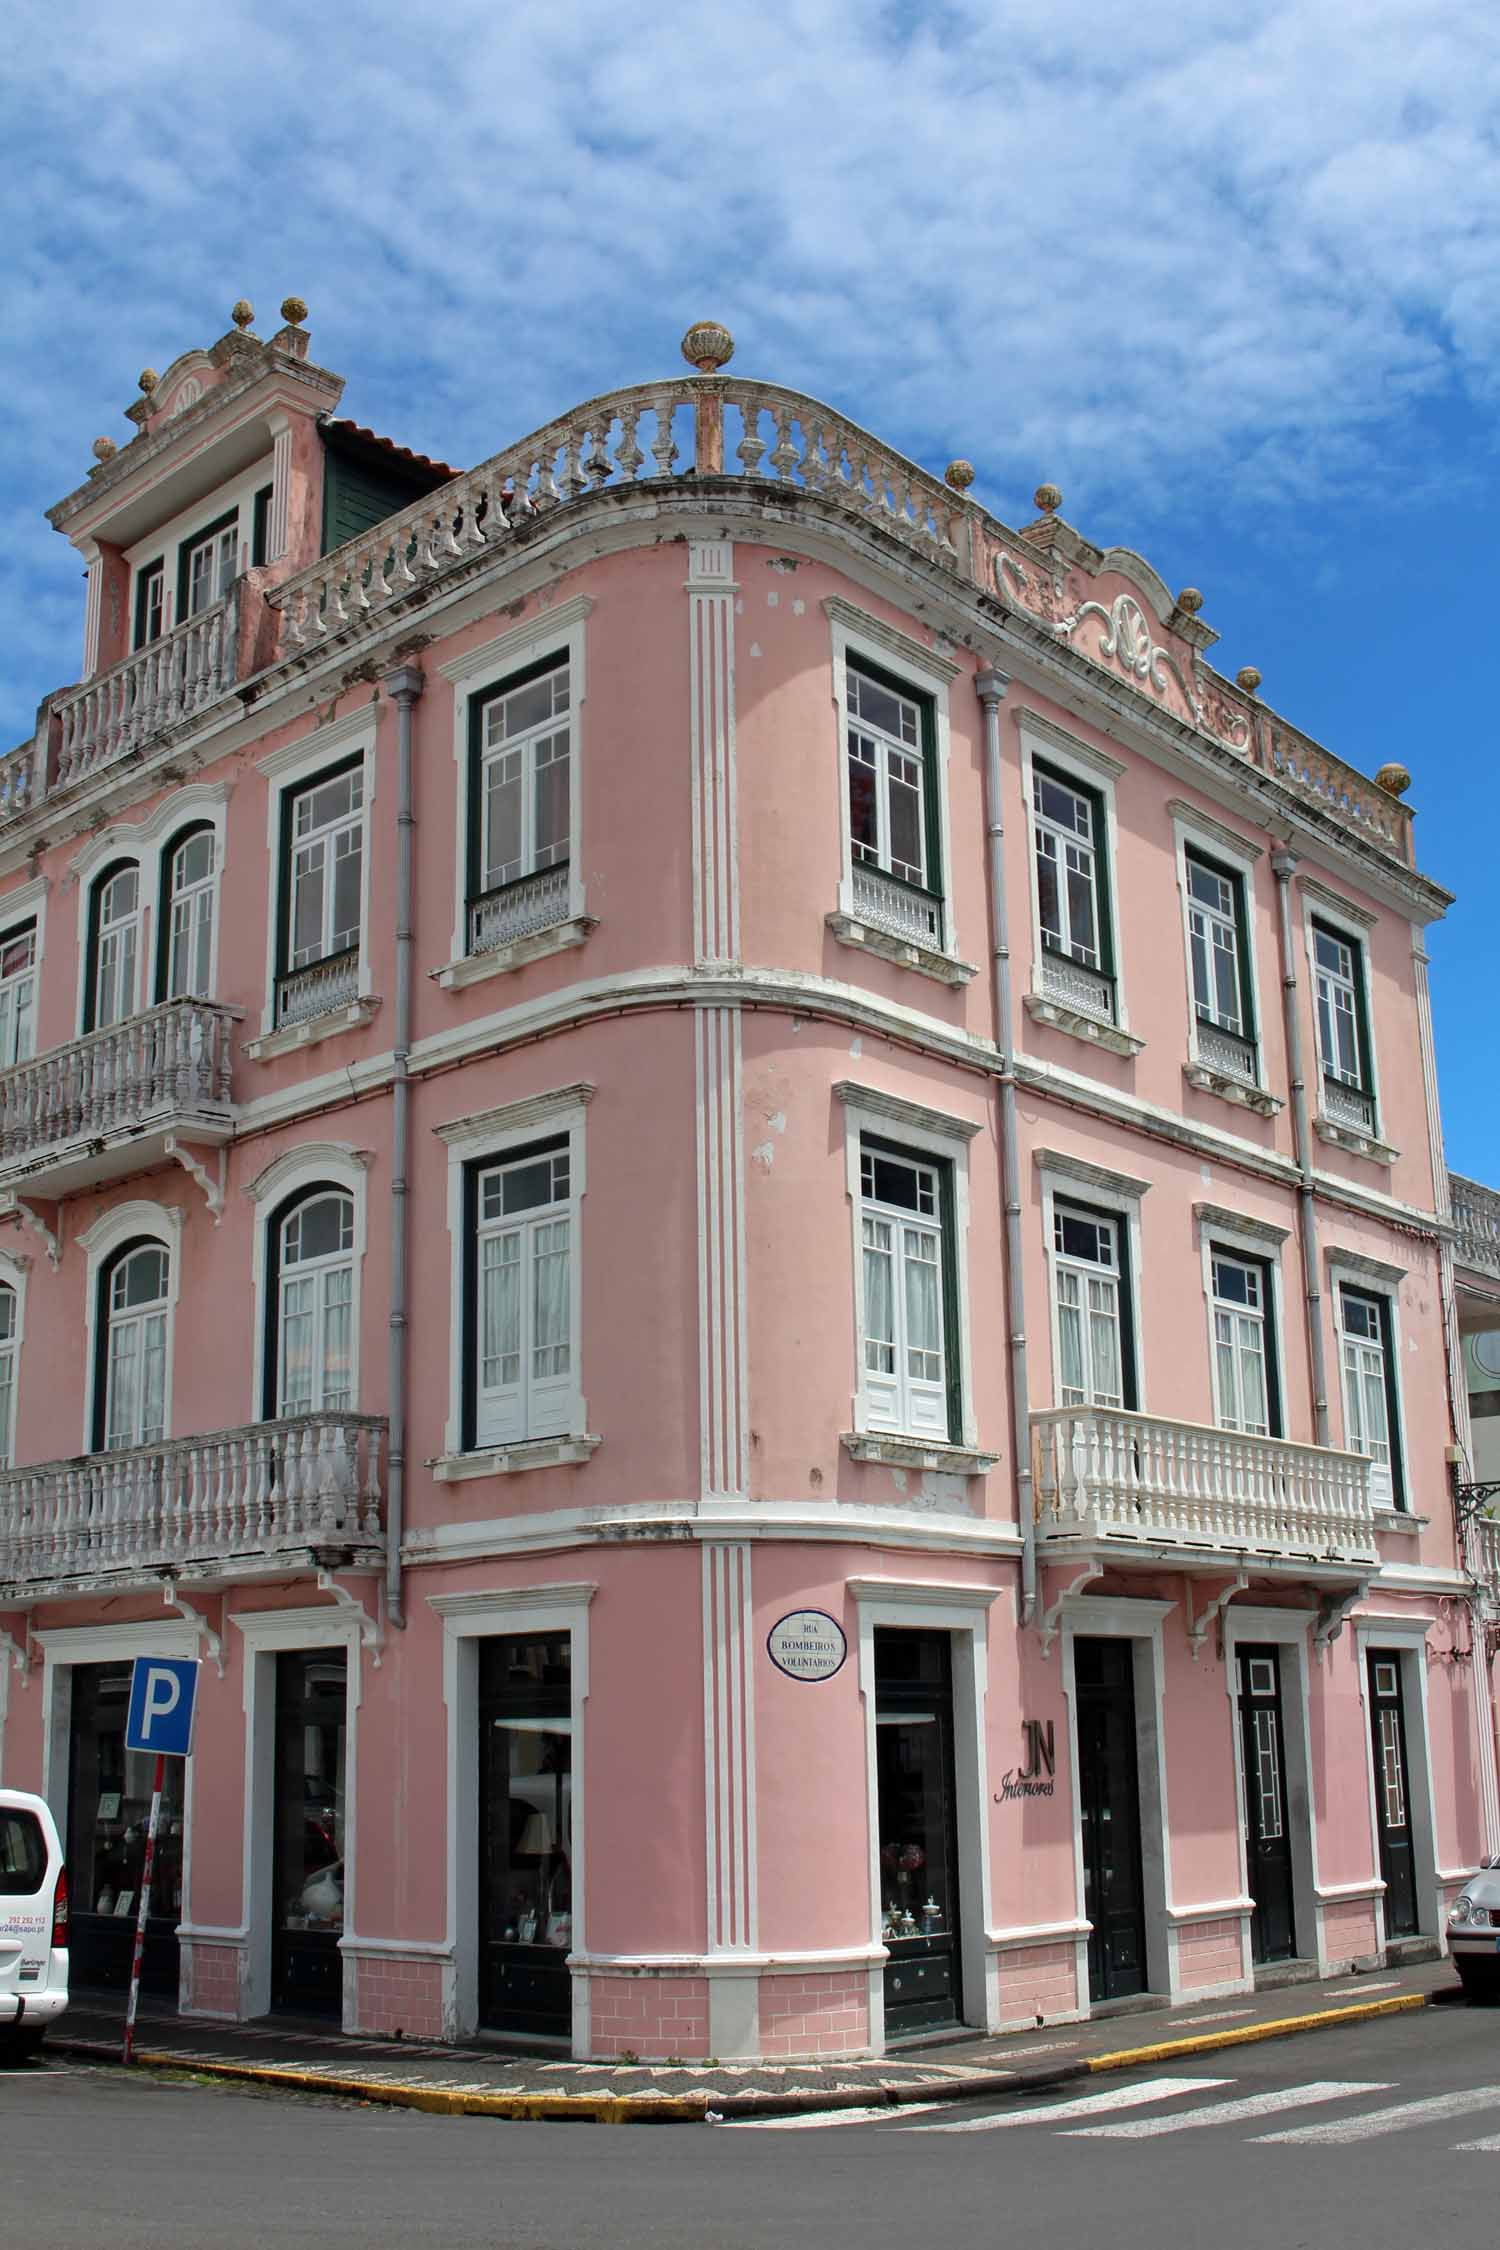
(33, 1923)
(1474, 1933)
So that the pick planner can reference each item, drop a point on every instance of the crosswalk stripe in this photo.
(1392, 2120)
(1232, 2113)
(810, 2119)
(1088, 2105)
(1490, 2144)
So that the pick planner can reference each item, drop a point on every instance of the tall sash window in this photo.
(17, 996)
(525, 1246)
(9, 1352)
(116, 962)
(190, 917)
(1241, 1345)
(315, 1304)
(136, 1311)
(906, 1249)
(1093, 1336)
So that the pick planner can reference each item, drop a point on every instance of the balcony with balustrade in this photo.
(267, 1501)
(121, 1101)
(1115, 1488)
(1476, 1217)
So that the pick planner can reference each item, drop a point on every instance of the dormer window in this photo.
(206, 566)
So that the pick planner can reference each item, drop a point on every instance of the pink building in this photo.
(734, 1192)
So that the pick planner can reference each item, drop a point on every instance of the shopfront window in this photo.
(109, 1808)
(526, 1832)
(311, 1750)
(918, 1829)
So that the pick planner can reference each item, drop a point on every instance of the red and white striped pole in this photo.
(143, 1908)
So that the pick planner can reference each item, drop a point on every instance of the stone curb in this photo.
(678, 2109)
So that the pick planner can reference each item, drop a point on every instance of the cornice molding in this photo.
(904, 648)
(1071, 745)
(1230, 839)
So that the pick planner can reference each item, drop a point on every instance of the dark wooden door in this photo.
(918, 1830)
(1392, 1794)
(1109, 1812)
(1268, 1839)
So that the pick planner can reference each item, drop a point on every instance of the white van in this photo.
(33, 1923)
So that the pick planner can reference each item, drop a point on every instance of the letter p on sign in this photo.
(163, 1700)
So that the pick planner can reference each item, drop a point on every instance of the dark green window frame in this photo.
(290, 798)
(932, 826)
(1120, 1225)
(260, 525)
(1237, 891)
(1356, 951)
(948, 1227)
(154, 574)
(1380, 1304)
(1265, 1268)
(97, 888)
(479, 703)
(468, 1282)
(1103, 888)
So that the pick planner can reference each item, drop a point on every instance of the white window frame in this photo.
(1257, 1317)
(205, 889)
(161, 1223)
(1240, 1236)
(318, 1271)
(483, 1140)
(1353, 926)
(224, 563)
(14, 1271)
(11, 934)
(94, 943)
(1076, 1180)
(908, 1392)
(858, 634)
(1085, 767)
(940, 1139)
(317, 846)
(1194, 832)
(165, 542)
(28, 903)
(1372, 1277)
(468, 1618)
(309, 1164)
(561, 631)
(288, 771)
(135, 1321)
(200, 804)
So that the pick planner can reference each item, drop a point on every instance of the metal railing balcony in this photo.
(1138, 1479)
(232, 1503)
(105, 1105)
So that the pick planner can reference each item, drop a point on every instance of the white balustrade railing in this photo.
(17, 774)
(1476, 1214)
(1077, 987)
(896, 907)
(519, 910)
(649, 434)
(1225, 1051)
(1112, 1475)
(1484, 1555)
(1346, 1105)
(320, 987)
(172, 1061)
(314, 1480)
(1324, 780)
(122, 708)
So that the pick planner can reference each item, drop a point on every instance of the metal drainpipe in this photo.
(1284, 866)
(403, 687)
(990, 686)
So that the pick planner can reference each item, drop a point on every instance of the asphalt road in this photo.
(1354, 2137)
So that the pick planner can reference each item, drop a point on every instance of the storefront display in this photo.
(526, 1834)
(109, 1807)
(311, 1735)
(918, 1844)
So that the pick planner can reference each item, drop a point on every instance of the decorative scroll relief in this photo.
(187, 393)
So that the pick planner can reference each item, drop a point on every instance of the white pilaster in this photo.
(93, 610)
(281, 479)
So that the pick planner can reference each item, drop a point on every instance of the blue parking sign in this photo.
(163, 1698)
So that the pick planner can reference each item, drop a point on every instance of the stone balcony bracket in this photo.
(371, 1629)
(907, 953)
(1206, 1080)
(917, 1453)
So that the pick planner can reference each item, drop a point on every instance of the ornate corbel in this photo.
(185, 1608)
(1200, 1627)
(371, 1629)
(1332, 1611)
(1049, 1624)
(30, 1215)
(19, 1651)
(212, 1186)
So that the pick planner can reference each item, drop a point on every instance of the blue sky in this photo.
(1231, 278)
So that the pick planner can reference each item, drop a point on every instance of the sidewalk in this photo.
(483, 2081)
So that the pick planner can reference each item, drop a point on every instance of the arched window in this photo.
(131, 1408)
(310, 1368)
(10, 1342)
(185, 935)
(114, 962)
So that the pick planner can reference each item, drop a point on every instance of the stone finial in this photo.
(708, 346)
(148, 380)
(104, 449)
(1190, 601)
(1047, 498)
(1394, 778)
(242, 312)
(959, 475)
(294, 311)
(1248, 678)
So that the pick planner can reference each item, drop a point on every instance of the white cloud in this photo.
(1225, 249)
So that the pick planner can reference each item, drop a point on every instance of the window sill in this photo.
(348, 1017)
(1397, 1519)
(473, 968)
(1045, 1007)
(1206, 1080)
(916, 1453)
(944, 968)
(1351, 1138)
(505, 1460)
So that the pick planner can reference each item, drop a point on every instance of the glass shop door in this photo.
(109, 1810)
(526, 1871)
(308, 1890)
(918, 1830)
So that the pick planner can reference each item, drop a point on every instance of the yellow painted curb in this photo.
(442, 2101)
(1164, 2050)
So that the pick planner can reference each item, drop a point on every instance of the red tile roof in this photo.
(441, 471)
